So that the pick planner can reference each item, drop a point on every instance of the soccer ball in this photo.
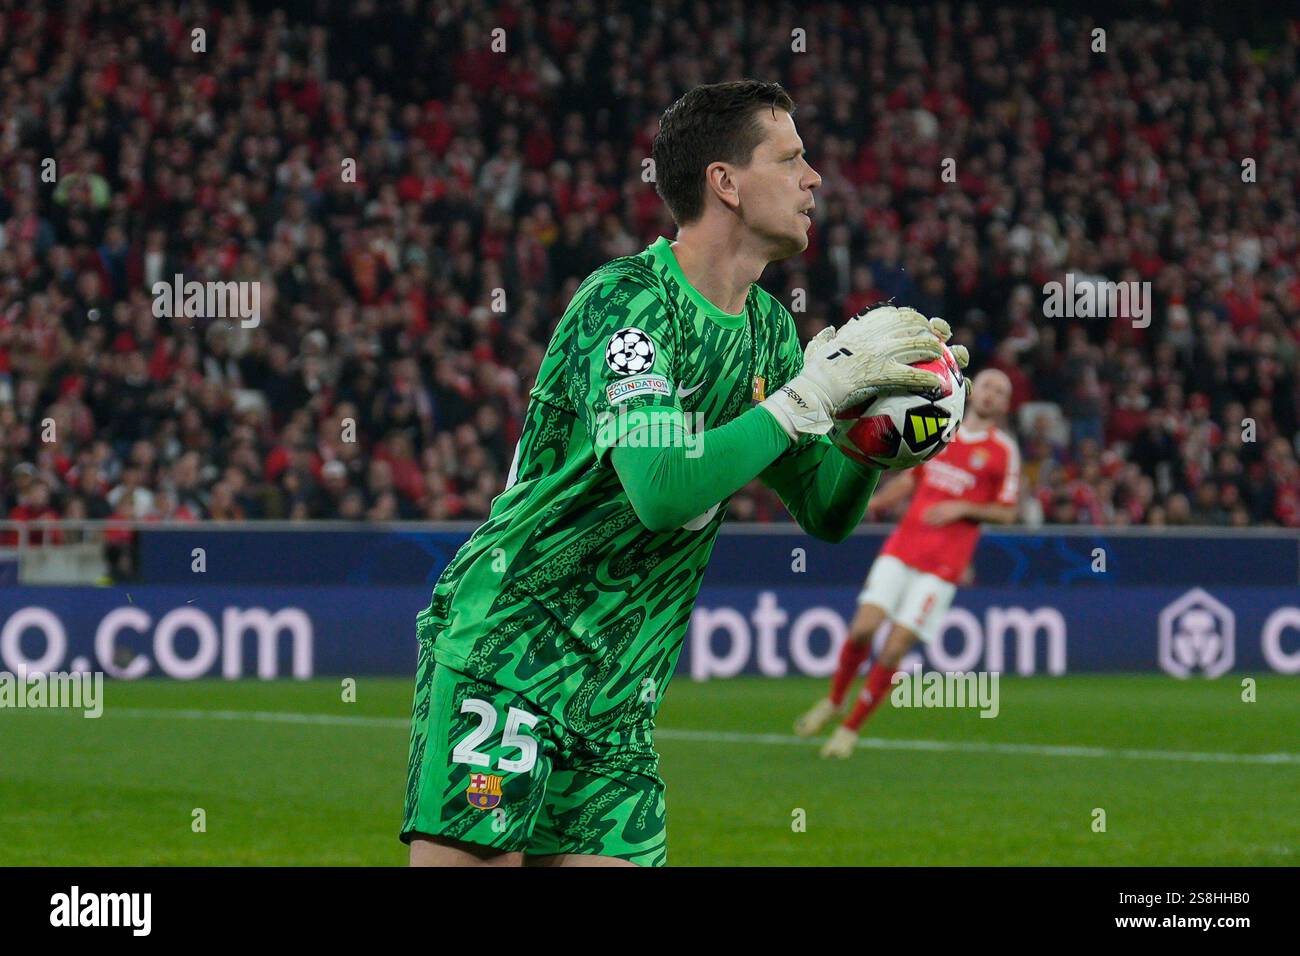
(629, 351)
(901, 431)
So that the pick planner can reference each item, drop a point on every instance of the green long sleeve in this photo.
(685, 475)
(826, 491)
(672, 477)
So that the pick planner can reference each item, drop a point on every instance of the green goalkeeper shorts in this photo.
(487, 768)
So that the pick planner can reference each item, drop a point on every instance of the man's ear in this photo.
(718, 179)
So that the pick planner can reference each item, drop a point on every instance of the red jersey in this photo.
(980, 467)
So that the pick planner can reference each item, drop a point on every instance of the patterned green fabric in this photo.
(486, 769)
(552, 634)
(563, 595)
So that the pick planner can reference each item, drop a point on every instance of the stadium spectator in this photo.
(404, 309)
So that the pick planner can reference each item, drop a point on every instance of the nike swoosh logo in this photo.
(687, 392)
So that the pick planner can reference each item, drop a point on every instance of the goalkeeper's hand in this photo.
(869, 355)
(959, 352)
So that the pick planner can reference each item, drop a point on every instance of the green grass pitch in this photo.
(287, 774)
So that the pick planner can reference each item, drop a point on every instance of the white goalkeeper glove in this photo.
(959, 352)
(942, 329)
(868, 355)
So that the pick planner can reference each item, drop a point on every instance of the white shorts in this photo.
(915, 599)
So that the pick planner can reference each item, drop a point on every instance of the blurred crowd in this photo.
(969, 157)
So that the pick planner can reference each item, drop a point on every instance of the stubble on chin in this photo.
(795, 246)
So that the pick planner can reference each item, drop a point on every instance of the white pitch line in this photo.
(729, 737)
(973, 746)
(262, 716)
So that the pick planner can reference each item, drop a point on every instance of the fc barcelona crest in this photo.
(484, 791)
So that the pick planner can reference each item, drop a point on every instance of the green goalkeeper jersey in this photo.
(564, 595)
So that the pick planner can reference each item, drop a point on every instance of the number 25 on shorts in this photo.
(465, 751)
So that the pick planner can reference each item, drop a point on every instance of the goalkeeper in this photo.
(671, 381)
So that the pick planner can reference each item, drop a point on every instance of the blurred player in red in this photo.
(913, 580)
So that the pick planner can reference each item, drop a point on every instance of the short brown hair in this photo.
(710, 124)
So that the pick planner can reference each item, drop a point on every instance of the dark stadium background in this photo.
(480, 171)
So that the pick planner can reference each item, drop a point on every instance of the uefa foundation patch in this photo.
(624, 389)
(484, 791)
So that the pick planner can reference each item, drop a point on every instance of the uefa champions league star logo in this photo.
(629, 352)
(1197, 633)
